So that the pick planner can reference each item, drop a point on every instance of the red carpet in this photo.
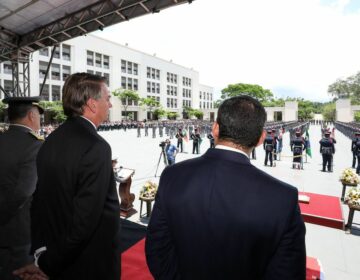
(323, 210)
(133, 263)
(133, 266)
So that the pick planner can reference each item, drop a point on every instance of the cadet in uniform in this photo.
(297, 147)
(354, 148)
(212, 140)
(196, 141)
(268, 147)
(275, 137)
(327, 149)
(19, 146)
(179, 137)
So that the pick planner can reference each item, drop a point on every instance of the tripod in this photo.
(162, 154)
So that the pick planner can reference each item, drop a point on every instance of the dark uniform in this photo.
(354, 148)
(212, 140)
(276, 139)
(196, 141)
(19, 146)
(179, 137)
(269, 148)
(327, 149)
(297, 147)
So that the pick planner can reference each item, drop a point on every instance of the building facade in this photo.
(173, 85)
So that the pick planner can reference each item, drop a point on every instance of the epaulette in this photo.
(38, 137)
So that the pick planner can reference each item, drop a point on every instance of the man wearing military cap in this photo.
(19, 146)
(327, 149)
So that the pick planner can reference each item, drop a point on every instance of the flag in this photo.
(307, 143)
(185, 135)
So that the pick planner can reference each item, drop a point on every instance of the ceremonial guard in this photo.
(354, 148)
(196, 141)
(212, 140)
(179, 137)
(275, 137)
(146, 129)
(269, 148)
(327, 149)
(297, 147)
(138, 129)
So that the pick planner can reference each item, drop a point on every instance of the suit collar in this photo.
(84, 122)
(227, 155)
(19, 127)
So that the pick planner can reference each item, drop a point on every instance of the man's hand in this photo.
(30, 272)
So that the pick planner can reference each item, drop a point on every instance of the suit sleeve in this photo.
(289, 260)
(159, 247)
(93, 179)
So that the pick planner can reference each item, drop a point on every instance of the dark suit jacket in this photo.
(76, 210)
(18, 149)
(219, 217)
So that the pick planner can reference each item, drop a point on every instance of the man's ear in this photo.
(262, 138)
(215, 130)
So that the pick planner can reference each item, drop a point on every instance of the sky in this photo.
(295, 48)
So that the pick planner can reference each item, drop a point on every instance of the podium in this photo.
(127, 198)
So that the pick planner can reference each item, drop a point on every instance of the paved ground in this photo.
(338, 252)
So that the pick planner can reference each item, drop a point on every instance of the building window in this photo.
(148, 86)
(57, 52)
(44, 52)
(168, 90)
(148, 72)
(129, 83)
(106, 62)
(90, 58)
(7, 67)
(45, 93)
(200, 94)
(98, 60)
(55, 93)
(129, 67)
(66, 52)
(42, 69)
(157, 74)
(135, 69)
(66, 71)
(153, 87)
(55, 71)
(123, 82)
(90, 72)
(153, 73)
(157, 88)
(123, 66)
(107, 78)
(8, 85)
(136, 87)
(97, 73)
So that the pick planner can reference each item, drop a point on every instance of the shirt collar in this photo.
(223, 147)
(15, 124)
(89, 121)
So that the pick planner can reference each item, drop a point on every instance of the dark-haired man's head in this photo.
(86, 95)
(240, 123)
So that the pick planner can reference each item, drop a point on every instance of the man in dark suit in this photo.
(75, 212)
(19, 146)
(223, 218)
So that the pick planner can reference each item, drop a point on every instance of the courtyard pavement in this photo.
(338, 252)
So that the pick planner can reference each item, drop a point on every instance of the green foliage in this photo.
(53, 111)
(255, 91)
(329, 111)
(159, 112)
(190, 112)
(172, 115)
(126, 97)
(198, 114)
(347, 88)
(2, 111)
(217, 103)
(357, 116)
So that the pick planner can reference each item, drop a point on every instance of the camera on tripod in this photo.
(162, 144)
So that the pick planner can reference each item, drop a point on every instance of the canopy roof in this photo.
(29, 25)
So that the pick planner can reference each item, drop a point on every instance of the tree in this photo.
(53, 111)
(159, 112)
(347, 88)
(150, 103)
(255, 91)
(329, 111)
(172, 115)
(126, 97)
(217, 103)
(357, 116)
(188, 112)
(198, 114)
